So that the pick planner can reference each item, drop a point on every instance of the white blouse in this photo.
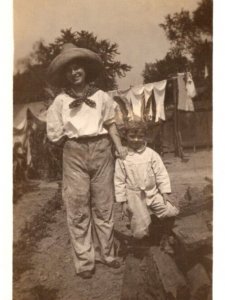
(80, 121)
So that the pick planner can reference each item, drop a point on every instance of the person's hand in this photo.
(166, 198)
(125, 209)
(122, 152)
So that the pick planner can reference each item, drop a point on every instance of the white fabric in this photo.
(81, 121)
(159, 93)
(190, 86)
(141, 179)
(186, 91)
(141, 171)
(148, 88)
(135, 98)
(139, 95)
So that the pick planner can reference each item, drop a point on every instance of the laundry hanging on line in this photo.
(186, 91)
(139, 100)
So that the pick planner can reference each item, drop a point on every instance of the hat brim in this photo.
(93, 64)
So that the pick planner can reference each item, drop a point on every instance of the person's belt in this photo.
(89, 138)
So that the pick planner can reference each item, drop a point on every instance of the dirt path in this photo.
(43, 266)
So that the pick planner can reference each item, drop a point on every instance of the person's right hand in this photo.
(122, 152)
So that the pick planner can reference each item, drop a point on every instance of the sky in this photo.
(132, 24)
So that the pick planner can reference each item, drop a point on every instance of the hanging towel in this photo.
(190, 86)
(148, 112)
(159, 93)
(206, 72)
(186, 91)
(136, 100)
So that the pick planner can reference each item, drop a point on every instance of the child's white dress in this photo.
(141, 179)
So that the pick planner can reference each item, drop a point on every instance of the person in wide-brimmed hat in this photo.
(91, 62)
(82, 117)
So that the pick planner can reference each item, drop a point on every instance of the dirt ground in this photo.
(43, 266)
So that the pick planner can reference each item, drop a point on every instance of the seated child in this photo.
(142, 183)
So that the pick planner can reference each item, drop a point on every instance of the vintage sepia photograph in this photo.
(112, 150)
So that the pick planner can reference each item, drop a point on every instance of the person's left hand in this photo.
(166, 198)
(122, 152)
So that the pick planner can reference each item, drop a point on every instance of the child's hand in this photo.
(166, 198)
(125, 209)
(122, 152)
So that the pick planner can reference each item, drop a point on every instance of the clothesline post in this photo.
(177, 134)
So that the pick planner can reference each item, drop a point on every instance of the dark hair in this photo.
(136, 125)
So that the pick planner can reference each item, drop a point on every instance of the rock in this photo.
(199, 282)
(173, 281)
(139, 283)
(195, 200)
(207, 261)
(192, 232)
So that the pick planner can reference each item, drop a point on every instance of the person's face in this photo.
(75, 74)
(136, 139)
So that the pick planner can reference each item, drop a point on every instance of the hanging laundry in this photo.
(186, 91)
(206, 72)
(136, 98)
(148, 111)
(138, 101)
(159, 93)
(121, 105)
(190, 86)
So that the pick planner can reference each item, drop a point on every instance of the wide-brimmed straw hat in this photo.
(93, 63)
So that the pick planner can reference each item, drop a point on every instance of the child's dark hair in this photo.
(136, 125)
(131, 126)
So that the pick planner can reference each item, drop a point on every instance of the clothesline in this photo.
(139, 99)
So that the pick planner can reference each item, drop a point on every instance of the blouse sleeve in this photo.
(161, 174)
(108, 111)
(55, 129)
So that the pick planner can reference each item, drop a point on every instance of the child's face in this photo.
(136, 138)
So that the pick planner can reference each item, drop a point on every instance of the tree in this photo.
(190, 35)
(28, 85)
(164, 68)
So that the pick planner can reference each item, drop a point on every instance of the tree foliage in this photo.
(164, 68)
(28, 85)
(190, 36)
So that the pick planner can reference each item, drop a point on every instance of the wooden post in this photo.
(178, 144)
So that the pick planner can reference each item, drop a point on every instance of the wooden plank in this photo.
(173, 281)
(199, 282)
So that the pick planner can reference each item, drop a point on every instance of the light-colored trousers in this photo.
(88, 167)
